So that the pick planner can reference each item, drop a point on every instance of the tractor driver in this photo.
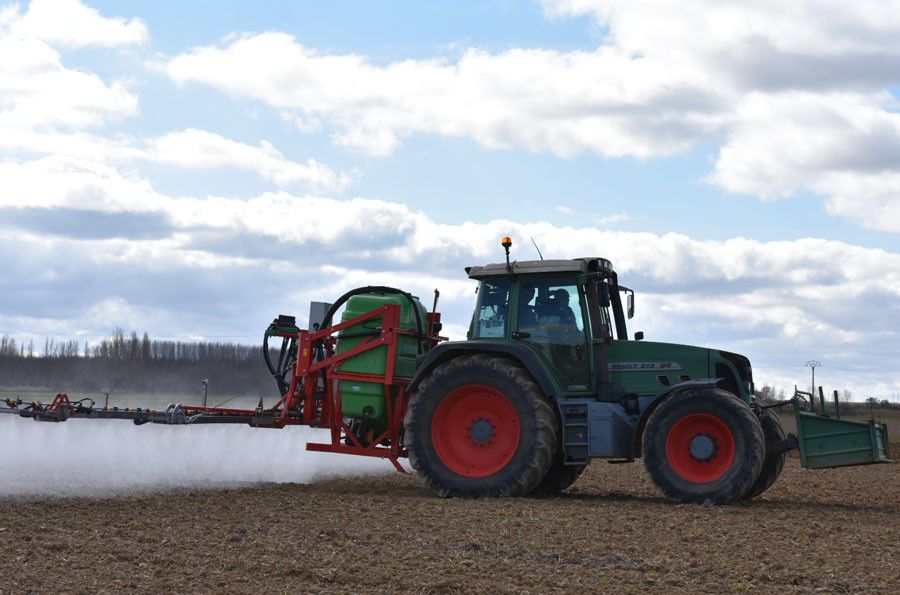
(561, 303)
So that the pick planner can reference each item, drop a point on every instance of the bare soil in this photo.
(814, 531)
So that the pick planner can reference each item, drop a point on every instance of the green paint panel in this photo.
(829, 442)
(642, 367)
(360, 397)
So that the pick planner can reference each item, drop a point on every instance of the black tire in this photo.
(772, 465)
(732, 434)
(531, 454)
(559, 477)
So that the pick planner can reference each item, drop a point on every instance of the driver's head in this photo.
(561, 296)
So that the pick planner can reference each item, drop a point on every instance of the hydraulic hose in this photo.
(288, 350)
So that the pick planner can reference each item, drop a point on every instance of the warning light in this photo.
(506, 242)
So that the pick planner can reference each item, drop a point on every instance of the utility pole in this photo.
(813, 364)
(205, 382)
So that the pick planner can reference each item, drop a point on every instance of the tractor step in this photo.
(575, 433)
(827, 441)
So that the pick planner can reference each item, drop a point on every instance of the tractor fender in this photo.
(517, 352)
(672, 390)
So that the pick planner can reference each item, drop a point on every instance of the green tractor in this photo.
(548, 379)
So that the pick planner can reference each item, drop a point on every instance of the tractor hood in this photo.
(648, 367)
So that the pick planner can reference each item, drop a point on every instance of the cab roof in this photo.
(538, 267)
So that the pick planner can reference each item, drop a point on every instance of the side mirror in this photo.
(630, 300)
(604, 295)
(639, 336)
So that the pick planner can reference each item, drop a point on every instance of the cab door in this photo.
(551, 318)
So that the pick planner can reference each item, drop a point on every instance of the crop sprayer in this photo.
(547, 380)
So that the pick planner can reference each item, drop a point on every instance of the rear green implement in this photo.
(829, 441)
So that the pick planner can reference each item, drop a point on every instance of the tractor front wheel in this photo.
(480, 426)
(704, 445)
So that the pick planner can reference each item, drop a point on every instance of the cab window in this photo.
(491, 311)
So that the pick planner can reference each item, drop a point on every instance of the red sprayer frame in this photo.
(309, 389)
(314, 395)
(312, 399)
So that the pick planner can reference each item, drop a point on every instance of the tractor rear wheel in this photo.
(480, 426)
(773, 464)
(704, 445)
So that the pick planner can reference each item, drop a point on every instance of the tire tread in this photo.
(543, 442)
(718, 491)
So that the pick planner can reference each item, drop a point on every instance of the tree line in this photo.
(126, 363)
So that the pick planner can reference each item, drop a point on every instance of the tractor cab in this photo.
(567, 311)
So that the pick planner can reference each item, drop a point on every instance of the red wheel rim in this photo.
(475, 431)
(700, 447)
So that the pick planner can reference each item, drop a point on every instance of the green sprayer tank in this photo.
(366, 399)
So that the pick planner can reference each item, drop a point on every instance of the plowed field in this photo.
(832, 531)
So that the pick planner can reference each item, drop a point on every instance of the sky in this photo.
(194, 169)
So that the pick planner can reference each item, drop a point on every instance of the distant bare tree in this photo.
(767, 394)
(145, 348)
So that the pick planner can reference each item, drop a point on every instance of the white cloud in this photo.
(797, 94)
(70, 23)
(606, 101)
(67, 182)
(870, 199)
(614, 218)
(786, 142)
(36, 90)
(47, 108)
(188, 149)
(843, 146)
(199, 149)
(704, 27)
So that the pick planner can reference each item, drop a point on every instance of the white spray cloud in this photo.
(101, 458)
